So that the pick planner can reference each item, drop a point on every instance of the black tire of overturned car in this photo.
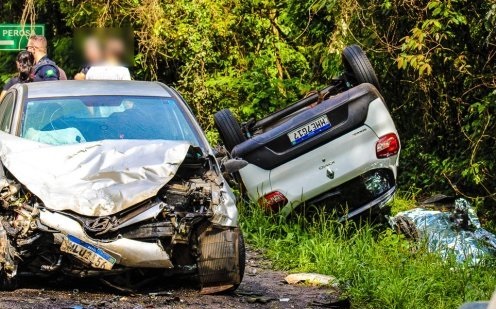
(229, 129)
(358, 66)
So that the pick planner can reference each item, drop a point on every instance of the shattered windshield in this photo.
(69, 120)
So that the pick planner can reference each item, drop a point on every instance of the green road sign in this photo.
(15, 37)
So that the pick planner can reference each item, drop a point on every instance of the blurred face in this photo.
(92, 51)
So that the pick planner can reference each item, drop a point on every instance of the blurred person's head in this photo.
(114, 50)
(37, 45)
(92, 50)
(25, 63)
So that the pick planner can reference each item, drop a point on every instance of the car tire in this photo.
(241, 261)
(229, 129)
(221, 260)
(358, 66)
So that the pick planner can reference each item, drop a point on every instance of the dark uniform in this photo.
(45, 69)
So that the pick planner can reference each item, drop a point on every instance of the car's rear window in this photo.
(69, 120)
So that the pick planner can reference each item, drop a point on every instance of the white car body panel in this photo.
(327, 166)
(256, 181)
(379, 120)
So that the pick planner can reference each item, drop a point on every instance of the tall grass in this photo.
(376, 267)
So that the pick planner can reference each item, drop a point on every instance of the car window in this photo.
(6, 112)
(69, 120)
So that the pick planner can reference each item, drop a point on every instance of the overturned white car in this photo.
(337, 148)
(113, 180)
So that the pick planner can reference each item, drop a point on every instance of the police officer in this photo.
(44, 69)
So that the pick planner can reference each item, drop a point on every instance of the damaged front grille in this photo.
(194, 195)
(177, 207)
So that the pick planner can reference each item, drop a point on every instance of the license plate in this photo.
(309, 130)
(87, 253)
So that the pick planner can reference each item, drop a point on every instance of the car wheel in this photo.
(221, 261)
(358, 66)
(242, 257)
(229, 129)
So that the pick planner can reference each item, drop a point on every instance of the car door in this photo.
(7, 112)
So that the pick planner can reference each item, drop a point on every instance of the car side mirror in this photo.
(233, 165)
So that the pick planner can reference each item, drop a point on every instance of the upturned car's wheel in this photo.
(358, 66)
(229, 129)
(221, 261)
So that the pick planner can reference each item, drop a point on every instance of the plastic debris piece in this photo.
(309, 278)
(452, 230)
(476, 305)
(284, 299)
(160, 293)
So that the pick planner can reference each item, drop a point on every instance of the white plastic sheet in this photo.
(457, 231)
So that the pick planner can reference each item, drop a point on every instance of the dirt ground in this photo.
(262, 287)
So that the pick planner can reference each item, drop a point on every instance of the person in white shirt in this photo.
(110, 69)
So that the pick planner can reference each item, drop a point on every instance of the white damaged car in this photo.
(337, 148)
(113, 180)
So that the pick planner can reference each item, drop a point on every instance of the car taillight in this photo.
(387, 146)
(273, 201)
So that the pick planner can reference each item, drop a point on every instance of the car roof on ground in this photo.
(74, 88)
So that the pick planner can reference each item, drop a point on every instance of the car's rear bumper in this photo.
(372, 189)
(380, 202)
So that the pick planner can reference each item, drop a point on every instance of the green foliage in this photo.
(376, 267)
(441, 91)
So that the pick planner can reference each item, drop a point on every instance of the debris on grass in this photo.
(449, 226)
(310, 279)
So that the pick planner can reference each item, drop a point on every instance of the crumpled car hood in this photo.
(92, 179)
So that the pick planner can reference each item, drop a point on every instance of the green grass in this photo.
(376, 267)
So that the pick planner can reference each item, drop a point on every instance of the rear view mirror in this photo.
(233, 165)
